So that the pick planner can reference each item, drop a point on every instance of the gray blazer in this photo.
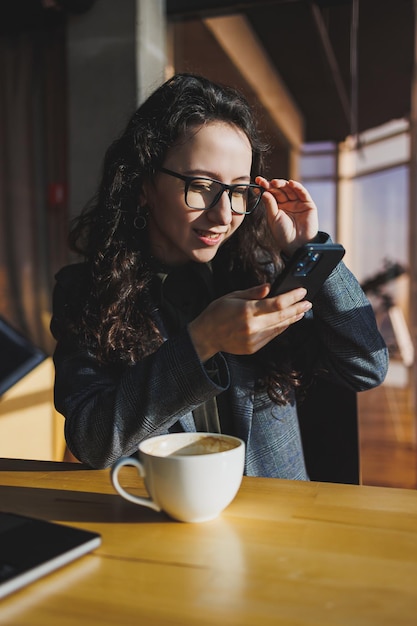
(110, 410)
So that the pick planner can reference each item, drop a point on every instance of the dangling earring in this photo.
(140, 222)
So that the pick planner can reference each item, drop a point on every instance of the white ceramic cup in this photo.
(190, 476)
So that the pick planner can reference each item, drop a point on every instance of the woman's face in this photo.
(177, 233)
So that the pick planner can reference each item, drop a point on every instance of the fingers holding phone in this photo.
(242, 322)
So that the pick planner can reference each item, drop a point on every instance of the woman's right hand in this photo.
(242, 322)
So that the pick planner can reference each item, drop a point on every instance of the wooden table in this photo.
(283, 552)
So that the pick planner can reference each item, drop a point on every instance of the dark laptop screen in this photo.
(18, 356)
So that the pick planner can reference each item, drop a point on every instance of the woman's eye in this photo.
(201, 185)
(241, 190)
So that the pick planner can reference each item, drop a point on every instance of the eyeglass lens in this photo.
(204, 194)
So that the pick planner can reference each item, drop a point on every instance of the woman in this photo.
(166, 325)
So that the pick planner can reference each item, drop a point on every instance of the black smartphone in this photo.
(31, 548)
(309, 267)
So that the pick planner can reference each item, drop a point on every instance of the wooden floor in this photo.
(387, 425)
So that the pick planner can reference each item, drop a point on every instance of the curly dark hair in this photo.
(116, 319)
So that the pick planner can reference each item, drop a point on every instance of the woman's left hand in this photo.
(292, 213)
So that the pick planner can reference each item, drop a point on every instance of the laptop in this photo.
(18, 356)
(31, 548)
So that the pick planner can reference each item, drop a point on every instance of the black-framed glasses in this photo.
(203, 193)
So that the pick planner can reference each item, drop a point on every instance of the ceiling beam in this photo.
(237, 38)
(331, 61)
(187, 9)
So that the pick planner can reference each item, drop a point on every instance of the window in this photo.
(318, 168)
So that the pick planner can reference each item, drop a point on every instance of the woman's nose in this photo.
(221, 212)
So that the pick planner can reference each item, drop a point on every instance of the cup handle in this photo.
(114, 475)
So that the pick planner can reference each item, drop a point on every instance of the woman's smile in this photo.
(209, 237)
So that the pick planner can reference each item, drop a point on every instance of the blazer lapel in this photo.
(187, 422)
(241, 398)
(241, 394)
